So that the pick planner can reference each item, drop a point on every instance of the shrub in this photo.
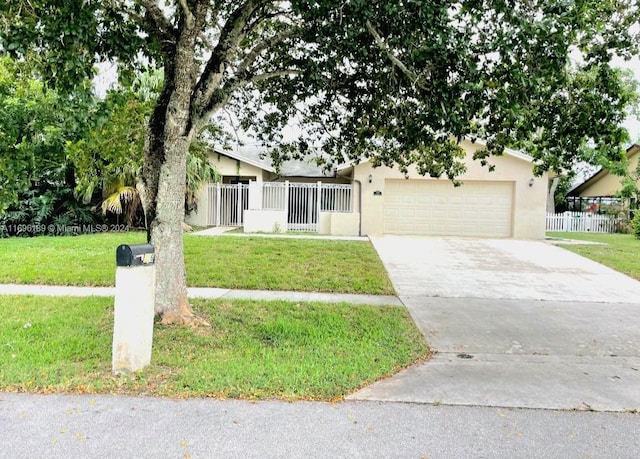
(48, 208)
(635, 224)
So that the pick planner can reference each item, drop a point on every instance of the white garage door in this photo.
(481, 209)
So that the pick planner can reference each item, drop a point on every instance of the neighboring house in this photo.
(506, 203)
(599, 192)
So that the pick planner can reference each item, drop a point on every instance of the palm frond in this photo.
(118, 199)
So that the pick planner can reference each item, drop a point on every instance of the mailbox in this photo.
(133, 308)
(135, 255)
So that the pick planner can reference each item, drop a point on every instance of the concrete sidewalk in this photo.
(229, 231)
(209, 293)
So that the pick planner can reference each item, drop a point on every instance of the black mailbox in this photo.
(135, 255)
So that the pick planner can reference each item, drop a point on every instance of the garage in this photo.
(430, 207)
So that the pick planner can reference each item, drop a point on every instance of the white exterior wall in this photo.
(529, 203)
(229, 166)
(265, 221)
(339, 223)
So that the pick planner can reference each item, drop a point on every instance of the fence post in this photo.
(286, 205)
(218, 203)
(239, 210)
(255, 190)
(566, 222)
(209, 204)
(318, 205)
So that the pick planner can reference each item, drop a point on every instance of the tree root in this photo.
(183, 316)
(171, 318)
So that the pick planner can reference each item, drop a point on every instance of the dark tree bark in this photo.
(169, 135)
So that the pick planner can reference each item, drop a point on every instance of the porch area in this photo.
(279, 207)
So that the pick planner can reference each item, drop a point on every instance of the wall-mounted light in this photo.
(370, 178)
(531, 182)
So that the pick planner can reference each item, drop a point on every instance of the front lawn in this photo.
(225, 262)
(254, 350)
(620, 252)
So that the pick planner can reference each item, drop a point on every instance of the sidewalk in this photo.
(228, 231)
(209, 293)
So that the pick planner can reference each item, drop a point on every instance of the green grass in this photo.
(226, 262)
(87, 260)
(254, 350)
(285, 264)
(621, 252)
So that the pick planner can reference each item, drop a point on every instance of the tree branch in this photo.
(417, 79)
(230, 36)
(161, 27)
(261, 47)
(221, 95)
(187, 13)
(274, 74)
(265, 16)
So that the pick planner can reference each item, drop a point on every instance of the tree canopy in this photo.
(389, 80)
(34, 126)
(108, 157)
(380, 79)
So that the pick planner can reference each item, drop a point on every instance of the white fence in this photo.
(227, 204)
(301, 202)
(583, 222)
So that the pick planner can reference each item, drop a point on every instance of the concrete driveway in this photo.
(514, 324)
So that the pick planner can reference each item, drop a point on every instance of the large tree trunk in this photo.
(165, 232)
(169, 135)
(164, 177)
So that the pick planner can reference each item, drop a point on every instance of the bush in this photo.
(635, 224)
(47, 209)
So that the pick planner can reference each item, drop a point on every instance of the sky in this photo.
(107, 75)
(632, 124)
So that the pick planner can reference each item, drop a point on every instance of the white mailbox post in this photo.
(134, 308)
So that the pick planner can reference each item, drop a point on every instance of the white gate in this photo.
(302, 202)
(303, 206)
(227, 204)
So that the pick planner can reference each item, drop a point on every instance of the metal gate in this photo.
(227, 204)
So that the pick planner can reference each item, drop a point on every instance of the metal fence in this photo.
(584, 222)
(336, 198)
(227, 204)
(302, 202)
(303, 206)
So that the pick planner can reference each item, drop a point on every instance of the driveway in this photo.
(514, 324)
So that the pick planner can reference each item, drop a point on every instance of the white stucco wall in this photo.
(265, 221)
(228, 166)
(529, 202)
(339, 223)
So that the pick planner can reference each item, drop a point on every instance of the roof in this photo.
(509, 151)
(252, 159)
(293, 168)
(600, 173)
(297, 168)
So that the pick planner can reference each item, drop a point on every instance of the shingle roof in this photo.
(293, 168)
